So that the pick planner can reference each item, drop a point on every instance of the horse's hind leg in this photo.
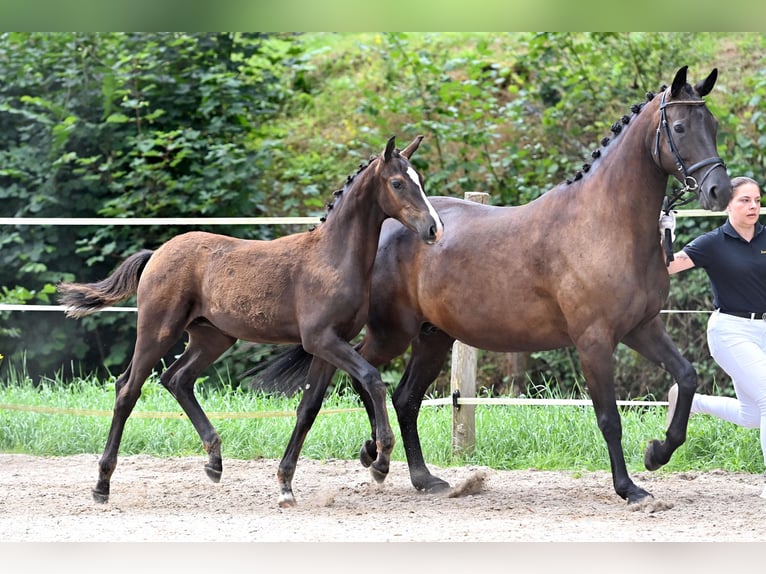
(127, 392)
(154, 339)
(654, 343)
(206, 344)
(318, 379)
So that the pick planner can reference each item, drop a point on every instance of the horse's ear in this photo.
(389, 153)
(410, 149)
(703, 88)
(678, 82)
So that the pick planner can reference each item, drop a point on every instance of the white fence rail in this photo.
(464, 358)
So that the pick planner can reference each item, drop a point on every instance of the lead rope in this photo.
(667, 241)
(669, 204)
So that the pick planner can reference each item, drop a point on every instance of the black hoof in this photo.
(365, 457)
(636, 495)
(640, 498)
(378, 474)
(650, 462)
(437, 486)
(213, 474)
(100, 497)
(429, 483)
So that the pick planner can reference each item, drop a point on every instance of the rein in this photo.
(689, 182)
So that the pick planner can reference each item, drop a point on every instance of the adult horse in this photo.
(580, 266)
(310, 287)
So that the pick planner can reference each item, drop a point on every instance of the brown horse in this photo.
(580, 266)
(310, 287)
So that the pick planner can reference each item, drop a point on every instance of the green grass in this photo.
(507, 437)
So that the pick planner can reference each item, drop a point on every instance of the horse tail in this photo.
(285, 373)
(86, 298)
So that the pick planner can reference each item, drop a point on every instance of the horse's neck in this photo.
(627, 176)
(352, 228)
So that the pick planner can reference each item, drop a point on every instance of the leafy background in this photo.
(268, 124)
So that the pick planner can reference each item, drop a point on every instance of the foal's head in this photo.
(400, 191)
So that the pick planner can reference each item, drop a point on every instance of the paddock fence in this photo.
(464, 362)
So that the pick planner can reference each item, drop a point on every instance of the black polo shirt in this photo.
(736, 268)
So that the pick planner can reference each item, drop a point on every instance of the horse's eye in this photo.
(678, 128)
(397, 184)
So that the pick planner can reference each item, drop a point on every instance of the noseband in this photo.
(690, 183)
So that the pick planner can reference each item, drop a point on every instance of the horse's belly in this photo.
(497, 326)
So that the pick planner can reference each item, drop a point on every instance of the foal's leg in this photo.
(369, 451)
(597, 358)
(206, 344)
(318, 379)
(388, 336)
(338, 352)
(429, 351)
(127, 391)
(654, 343)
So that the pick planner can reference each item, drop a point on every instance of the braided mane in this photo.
(338, 193)
(616, 129)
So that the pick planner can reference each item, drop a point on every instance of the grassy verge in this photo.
(507, 437)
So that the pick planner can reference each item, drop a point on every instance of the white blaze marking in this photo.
(414, 177)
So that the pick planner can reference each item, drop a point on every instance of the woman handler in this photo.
(734, 258)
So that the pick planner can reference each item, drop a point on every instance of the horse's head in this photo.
(685, 142)
(402, 196)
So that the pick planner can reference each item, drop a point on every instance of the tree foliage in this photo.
(122, 125)
(152, 125)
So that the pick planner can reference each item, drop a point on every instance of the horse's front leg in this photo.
(654, 343)
(598, 368)
(345, 357)
(318, 379)
(429, 351)
(369, 450)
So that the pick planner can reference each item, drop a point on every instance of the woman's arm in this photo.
(681, 262)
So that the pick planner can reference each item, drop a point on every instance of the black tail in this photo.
(286, 373)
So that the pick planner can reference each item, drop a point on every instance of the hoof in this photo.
(638, 495)
(437, 486)
(213, 474)
(287, 501)
(378, 474)
(430, 484)
(100, 497)
(649, 461)
(640, 499)
(365, 457)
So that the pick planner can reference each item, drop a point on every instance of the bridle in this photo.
(689, 181)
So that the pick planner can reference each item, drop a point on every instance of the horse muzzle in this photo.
(715, 193)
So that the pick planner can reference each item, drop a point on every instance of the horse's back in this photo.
(217, 274)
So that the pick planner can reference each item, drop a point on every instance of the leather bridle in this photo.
(689, 181)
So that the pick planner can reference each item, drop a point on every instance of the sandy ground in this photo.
(171, 500)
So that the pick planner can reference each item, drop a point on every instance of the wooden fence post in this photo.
(463, 381)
